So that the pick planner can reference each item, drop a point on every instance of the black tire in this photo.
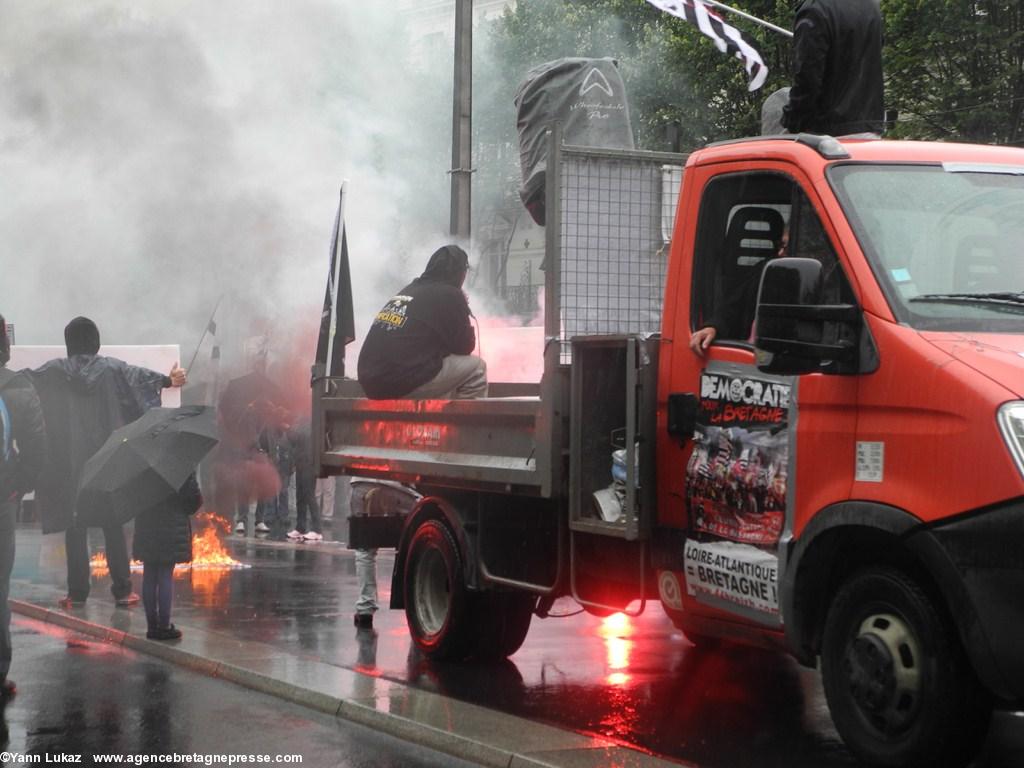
(504, 621)
(897, 681)
(437, 604)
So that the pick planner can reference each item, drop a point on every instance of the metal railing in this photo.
(607, 247)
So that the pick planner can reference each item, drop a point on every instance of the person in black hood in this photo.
(24, 443)
(419, 344)
(85, 397)
(837, 69)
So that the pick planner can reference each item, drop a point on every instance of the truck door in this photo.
(736, 478)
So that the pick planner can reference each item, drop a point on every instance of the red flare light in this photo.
(208, 551)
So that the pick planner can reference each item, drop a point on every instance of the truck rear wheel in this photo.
(436, 600)
(898, 684)
(504, 620)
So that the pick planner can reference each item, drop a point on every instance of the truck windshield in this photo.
(945, 241)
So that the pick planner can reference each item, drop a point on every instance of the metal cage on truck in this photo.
(605, 265)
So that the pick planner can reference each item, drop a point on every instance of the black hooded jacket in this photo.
(84, 399)
(417, 328)
(163, 533)
(837, 68)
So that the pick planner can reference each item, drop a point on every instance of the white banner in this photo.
(735, 573)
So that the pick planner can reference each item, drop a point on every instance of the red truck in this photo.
(840, 474)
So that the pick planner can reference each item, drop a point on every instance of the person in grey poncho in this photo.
(85, 397)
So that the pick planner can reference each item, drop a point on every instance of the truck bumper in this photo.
(984, 556)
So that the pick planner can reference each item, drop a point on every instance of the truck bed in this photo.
(486, 444)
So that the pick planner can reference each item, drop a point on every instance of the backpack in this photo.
(8, 455)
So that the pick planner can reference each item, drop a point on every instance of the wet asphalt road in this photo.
(636, 680)
(84, 697)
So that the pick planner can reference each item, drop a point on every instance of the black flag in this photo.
(337, 326)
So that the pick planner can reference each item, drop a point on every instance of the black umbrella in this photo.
(144, 463)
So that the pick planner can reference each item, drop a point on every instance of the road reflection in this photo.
(636, 680)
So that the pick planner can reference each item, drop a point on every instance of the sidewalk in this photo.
(240, 630)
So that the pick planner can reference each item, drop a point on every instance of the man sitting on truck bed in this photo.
(419, 344)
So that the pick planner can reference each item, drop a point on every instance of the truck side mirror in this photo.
(795, 332)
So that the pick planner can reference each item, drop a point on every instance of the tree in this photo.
(955, 69)
(673, 74)
(675, 78)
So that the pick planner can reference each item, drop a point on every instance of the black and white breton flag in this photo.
(727, 38)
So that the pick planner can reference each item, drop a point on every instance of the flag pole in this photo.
(205, 330)
(335, 278)
(748, 17)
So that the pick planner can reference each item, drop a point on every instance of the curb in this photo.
(400, 727)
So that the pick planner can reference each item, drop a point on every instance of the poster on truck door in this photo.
(737, 473)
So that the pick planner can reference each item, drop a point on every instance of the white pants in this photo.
(461, 377)
(325, 487)
(366, 573)
(370, 497)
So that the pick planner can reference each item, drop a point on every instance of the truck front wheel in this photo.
(436, 599)
(898, 684)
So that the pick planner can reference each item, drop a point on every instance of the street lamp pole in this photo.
(462, 113)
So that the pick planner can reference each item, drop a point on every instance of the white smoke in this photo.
(155, 156)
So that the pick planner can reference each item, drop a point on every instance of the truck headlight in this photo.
(1011, 422)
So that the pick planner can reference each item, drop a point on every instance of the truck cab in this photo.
(846, 456)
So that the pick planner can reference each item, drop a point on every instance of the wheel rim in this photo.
(882, 667)
(433, 592)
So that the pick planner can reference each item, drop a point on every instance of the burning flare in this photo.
(207, 549)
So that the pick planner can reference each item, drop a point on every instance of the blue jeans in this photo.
(366, 573)
(305, 501)
(157, 593)
(275, 509)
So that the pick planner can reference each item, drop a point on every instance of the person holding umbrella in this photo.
(163, 538)
(150, 465)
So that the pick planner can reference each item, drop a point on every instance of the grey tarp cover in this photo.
(771, 113)
(587, 96)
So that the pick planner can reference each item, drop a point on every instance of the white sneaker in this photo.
(296, 534)
(262, 528)
(240, 527)
(313, 536)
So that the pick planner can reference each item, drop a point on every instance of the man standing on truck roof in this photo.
(419, 344)
(837, 68)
